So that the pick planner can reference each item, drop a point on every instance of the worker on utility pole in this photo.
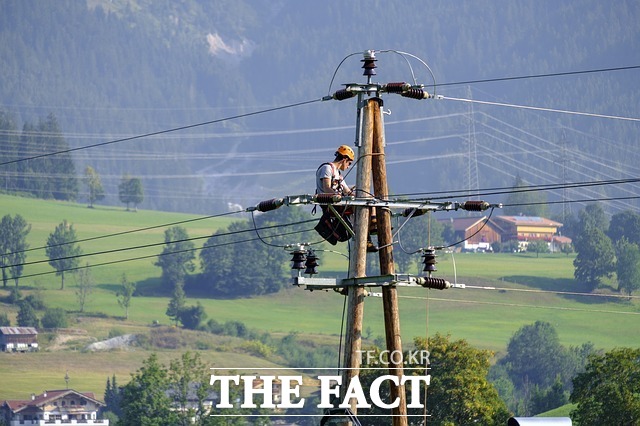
(328, 177)
(329, 180)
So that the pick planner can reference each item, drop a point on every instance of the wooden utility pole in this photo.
(357, 269)
(389, 293)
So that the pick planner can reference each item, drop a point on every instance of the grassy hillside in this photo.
(524, 289)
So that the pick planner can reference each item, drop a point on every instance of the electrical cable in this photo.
(131, 259)
(131, 231)
(530, 76)
(517, 305)
(161, 132)
(587, 114)
(121, 249)
(567, 293)
(520, 189)
(472, 235)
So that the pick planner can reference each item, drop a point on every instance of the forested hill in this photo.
(112, 70)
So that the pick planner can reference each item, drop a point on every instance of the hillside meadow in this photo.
(503, 292)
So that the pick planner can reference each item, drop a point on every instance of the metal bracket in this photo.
(391, 280)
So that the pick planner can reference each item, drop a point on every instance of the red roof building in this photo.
(477, 233)
(53, 407)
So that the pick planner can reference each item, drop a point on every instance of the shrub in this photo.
(54, 318)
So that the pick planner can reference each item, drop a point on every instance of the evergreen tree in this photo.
(52, 175)
(113, 397)
(62, 249)
(9, 152)
(65, 184)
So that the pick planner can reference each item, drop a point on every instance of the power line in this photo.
(491, 191)
(160, 132)
(131, 231)
(117, 250)
(519, 189)
(131, 259)
(588, 114)
(519, 305)
(531, 76)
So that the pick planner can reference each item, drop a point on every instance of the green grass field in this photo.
(523, 289)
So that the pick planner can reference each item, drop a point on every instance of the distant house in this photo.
(53, 408)
(18, 339)
(476, 233)
(529, 228)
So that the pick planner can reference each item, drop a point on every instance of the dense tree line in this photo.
(42, 176)
(248, 258)
(605, 247)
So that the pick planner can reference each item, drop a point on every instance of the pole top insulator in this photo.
(369, 65)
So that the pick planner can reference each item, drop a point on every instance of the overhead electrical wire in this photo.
(258, 238)
(131, 231)
(161, 132)
(451, 194)
(121, 249)
(532, 76)
(562, 111)
(131, 259)
(519, 305)
(518, 189)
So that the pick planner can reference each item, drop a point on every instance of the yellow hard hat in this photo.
(346, 151)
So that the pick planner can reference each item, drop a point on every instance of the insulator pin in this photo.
(429, 261)
(298, 259)
(436, 283)
(397, 87)
(475, 206)
(311, 263)
(343, 94)
(268, 205)
(328, 198)
(369, 63)
(415, 93)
